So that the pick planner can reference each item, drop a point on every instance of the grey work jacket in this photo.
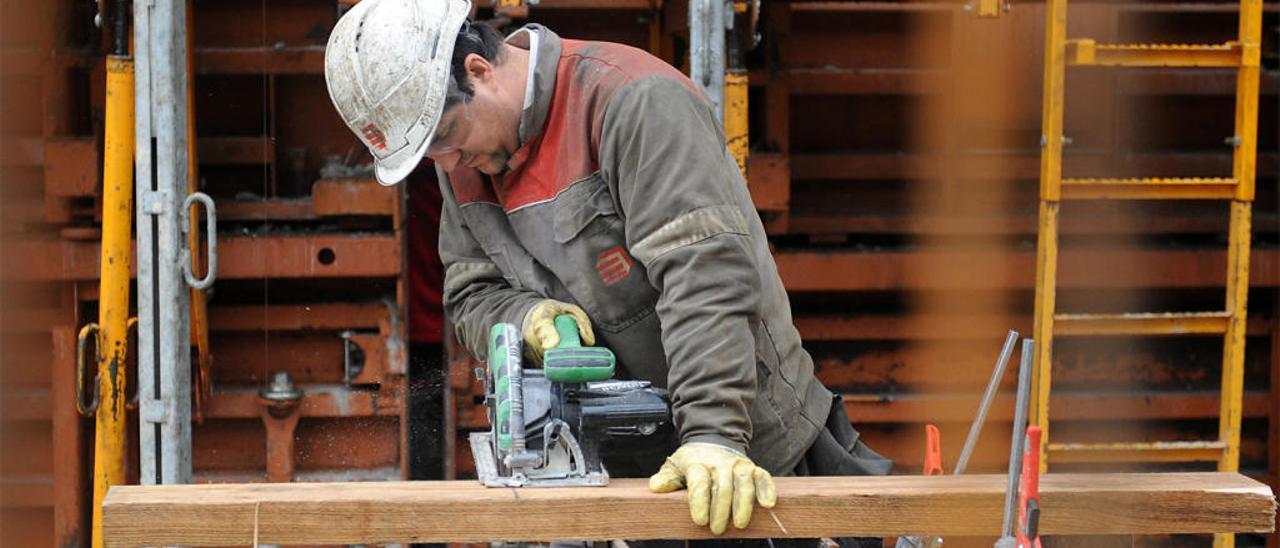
(624, 200)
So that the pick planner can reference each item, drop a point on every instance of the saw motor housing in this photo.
(549, 433)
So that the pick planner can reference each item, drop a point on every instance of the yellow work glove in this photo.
(539, 327)
(720, 480)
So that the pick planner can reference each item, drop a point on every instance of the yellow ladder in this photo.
(1245, 55)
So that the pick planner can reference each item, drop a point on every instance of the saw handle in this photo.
(570, 362)
(567, 328)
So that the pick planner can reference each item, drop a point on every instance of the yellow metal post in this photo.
(1050, 194)
(113, 306)
(735, 116)
(735, 89)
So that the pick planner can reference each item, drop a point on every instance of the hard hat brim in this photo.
(394, 168)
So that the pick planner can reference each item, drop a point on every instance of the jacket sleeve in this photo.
(663, 151)
(476, 295)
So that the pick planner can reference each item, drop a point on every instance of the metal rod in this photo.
(975, 430)
(1019, 434)
(121, 34)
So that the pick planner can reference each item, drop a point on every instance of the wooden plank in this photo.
(460, 511)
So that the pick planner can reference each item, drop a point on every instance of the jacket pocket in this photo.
(596, 265)
(585, 204)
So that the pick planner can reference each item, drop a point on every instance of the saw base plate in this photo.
(487, 470)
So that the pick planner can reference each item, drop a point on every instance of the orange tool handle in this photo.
(932, 451)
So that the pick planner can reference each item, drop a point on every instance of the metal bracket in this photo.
(153, 411)
(153, 202)
(353, 357)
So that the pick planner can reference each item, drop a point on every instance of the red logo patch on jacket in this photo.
(613, 265)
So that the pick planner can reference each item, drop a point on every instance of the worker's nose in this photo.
(447, 161)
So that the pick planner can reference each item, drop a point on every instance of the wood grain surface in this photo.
(464, 511)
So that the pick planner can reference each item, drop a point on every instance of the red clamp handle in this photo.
(1028, 526)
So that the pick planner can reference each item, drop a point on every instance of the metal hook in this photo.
(90, 408)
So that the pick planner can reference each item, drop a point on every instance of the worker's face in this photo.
(481, 133)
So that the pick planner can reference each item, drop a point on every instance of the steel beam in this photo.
(348, 256)
(352, 197)
(969, 270)
(890, 327)
(318, 401)
(298, 317)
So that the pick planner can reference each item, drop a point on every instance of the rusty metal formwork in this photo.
(893, 159)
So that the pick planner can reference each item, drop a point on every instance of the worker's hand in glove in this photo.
(539, 327)
(720, 480)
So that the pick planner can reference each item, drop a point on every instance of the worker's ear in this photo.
(479, 69)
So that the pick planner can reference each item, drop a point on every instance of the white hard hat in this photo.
(387, 67)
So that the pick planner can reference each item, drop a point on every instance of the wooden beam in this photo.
(461, 511)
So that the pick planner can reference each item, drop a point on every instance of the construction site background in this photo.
(894, 157)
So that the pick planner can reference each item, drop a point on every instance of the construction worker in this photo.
(592, 179)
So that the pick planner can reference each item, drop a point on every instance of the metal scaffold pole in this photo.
(164, 257)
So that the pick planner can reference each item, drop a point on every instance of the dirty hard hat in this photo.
(387, 69)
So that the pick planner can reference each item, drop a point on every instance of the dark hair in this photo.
(477, 38)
